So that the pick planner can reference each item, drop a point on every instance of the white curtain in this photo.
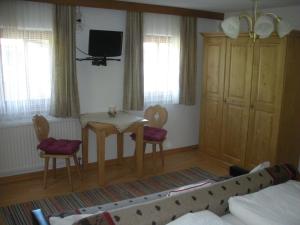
(161, 59)
(25, 58)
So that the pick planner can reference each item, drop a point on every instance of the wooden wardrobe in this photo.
(250, 106)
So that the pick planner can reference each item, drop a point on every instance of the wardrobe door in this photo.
(212, 95)
(238, 73)
(267, 86)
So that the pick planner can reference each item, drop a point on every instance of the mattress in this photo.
(204, 217)
(229, 219)
(275, 205)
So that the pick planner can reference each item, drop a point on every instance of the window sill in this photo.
(28, 121)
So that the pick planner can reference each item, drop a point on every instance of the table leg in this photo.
(139, 150)
(120, 146)
(85, 147)
(101, 157)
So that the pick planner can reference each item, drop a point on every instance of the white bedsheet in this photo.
(229, 219)
(198, 218)
(206, 217)
(275, 205)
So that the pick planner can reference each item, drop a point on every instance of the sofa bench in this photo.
(214, 198)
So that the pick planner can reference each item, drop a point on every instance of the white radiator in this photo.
(18, 153)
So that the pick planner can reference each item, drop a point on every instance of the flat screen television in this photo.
(103, 43)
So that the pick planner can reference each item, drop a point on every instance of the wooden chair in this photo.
(154, 133)
(53, 148)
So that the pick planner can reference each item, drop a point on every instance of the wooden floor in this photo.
(22, 191)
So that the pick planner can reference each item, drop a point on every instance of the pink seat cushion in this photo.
(152, 134)
(63, 147)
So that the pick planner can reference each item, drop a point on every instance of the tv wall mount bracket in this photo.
(98, 61)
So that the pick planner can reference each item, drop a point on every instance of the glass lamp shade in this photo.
(231, 27)
(283, 28)
(264, 26)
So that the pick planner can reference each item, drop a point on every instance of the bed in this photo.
(274, 205)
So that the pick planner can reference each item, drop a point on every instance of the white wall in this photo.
(101, 86)
(290, 14)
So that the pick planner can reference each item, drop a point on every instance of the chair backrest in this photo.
(157, 116)
(41, 127)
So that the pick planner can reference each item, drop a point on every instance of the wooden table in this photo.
(102, 130)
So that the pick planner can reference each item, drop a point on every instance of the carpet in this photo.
(20, 214)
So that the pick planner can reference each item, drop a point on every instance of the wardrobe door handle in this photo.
(225, 100)
(251, 106)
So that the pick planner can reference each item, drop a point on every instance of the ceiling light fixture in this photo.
(260, 25)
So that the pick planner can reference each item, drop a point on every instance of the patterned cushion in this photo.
(143, 199)
(152, 134)
(123, 203)
(282, 173)
(191, 187)
(53, 146)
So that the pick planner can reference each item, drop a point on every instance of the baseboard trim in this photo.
(90, 166)
(222, 162)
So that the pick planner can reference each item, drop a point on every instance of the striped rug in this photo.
(20, 214)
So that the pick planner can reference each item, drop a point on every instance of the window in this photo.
(161, 59)
(25, 72)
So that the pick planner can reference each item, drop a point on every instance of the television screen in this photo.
(104, 43)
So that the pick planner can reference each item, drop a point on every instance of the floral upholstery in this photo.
(54, 146)
(213, 198)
